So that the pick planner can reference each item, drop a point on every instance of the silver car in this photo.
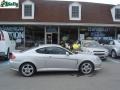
(93, 47)
(53, 58)
(114, 48)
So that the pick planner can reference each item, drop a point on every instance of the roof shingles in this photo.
(56, 11)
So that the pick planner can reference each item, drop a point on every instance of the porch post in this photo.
(24, 36)
(45, 35)
(78, 33)
(115, 33)
(58, 35)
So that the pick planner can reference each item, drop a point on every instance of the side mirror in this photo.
(67, 53)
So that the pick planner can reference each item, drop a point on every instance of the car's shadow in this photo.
(64, 73)
(58, 73)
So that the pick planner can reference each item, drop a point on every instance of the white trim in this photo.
(28, 2)
(113, 13)
(70, 11)
(59, 24)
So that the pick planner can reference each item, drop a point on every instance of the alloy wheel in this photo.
(86, 68)
(27, 69)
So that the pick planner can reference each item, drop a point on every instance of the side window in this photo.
(55, 50)
(41, 50)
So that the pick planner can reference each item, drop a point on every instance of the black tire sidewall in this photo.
(115, 54)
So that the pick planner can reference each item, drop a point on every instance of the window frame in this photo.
(37, 50)
(51, 53)
(113, 12)
(118, 14)
(28, 2)
(70, 11)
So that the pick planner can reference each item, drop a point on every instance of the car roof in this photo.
(41, 46)
(47, 45)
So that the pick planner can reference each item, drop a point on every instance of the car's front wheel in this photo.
(86, 68)
(113, 54)
(27, 69)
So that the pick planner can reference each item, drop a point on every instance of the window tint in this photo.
(55, 50)
(41, 50)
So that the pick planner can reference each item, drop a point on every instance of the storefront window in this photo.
(68, 34)
(16, 33)
(103, 34)
(34, 35)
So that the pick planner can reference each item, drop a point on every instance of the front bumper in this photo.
(98, 66)
(101, 56)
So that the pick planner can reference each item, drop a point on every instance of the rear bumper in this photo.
(14, 65)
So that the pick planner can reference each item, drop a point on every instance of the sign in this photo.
(15, 32)
(9, 3)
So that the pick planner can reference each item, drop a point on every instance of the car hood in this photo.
(90, 57)
(96, 49)
(85, 56)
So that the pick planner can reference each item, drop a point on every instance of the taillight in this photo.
(2, 36)
(12, 56)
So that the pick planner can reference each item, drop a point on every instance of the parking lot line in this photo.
(115, 61)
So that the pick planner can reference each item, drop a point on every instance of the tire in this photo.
(113, 54)
(27, 69)
(86, 68)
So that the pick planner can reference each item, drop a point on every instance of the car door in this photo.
(57, 59)
(40, 57)
(111, 45)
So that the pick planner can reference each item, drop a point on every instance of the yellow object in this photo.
(76, 46)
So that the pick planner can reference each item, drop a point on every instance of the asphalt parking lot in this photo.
(106, 79)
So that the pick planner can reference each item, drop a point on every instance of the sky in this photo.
(115, 2)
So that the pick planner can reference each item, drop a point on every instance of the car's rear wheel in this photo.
(7, 56)
(27, 69)
(86, 68)
(113, 54)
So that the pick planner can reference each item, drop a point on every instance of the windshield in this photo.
(91, 44)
